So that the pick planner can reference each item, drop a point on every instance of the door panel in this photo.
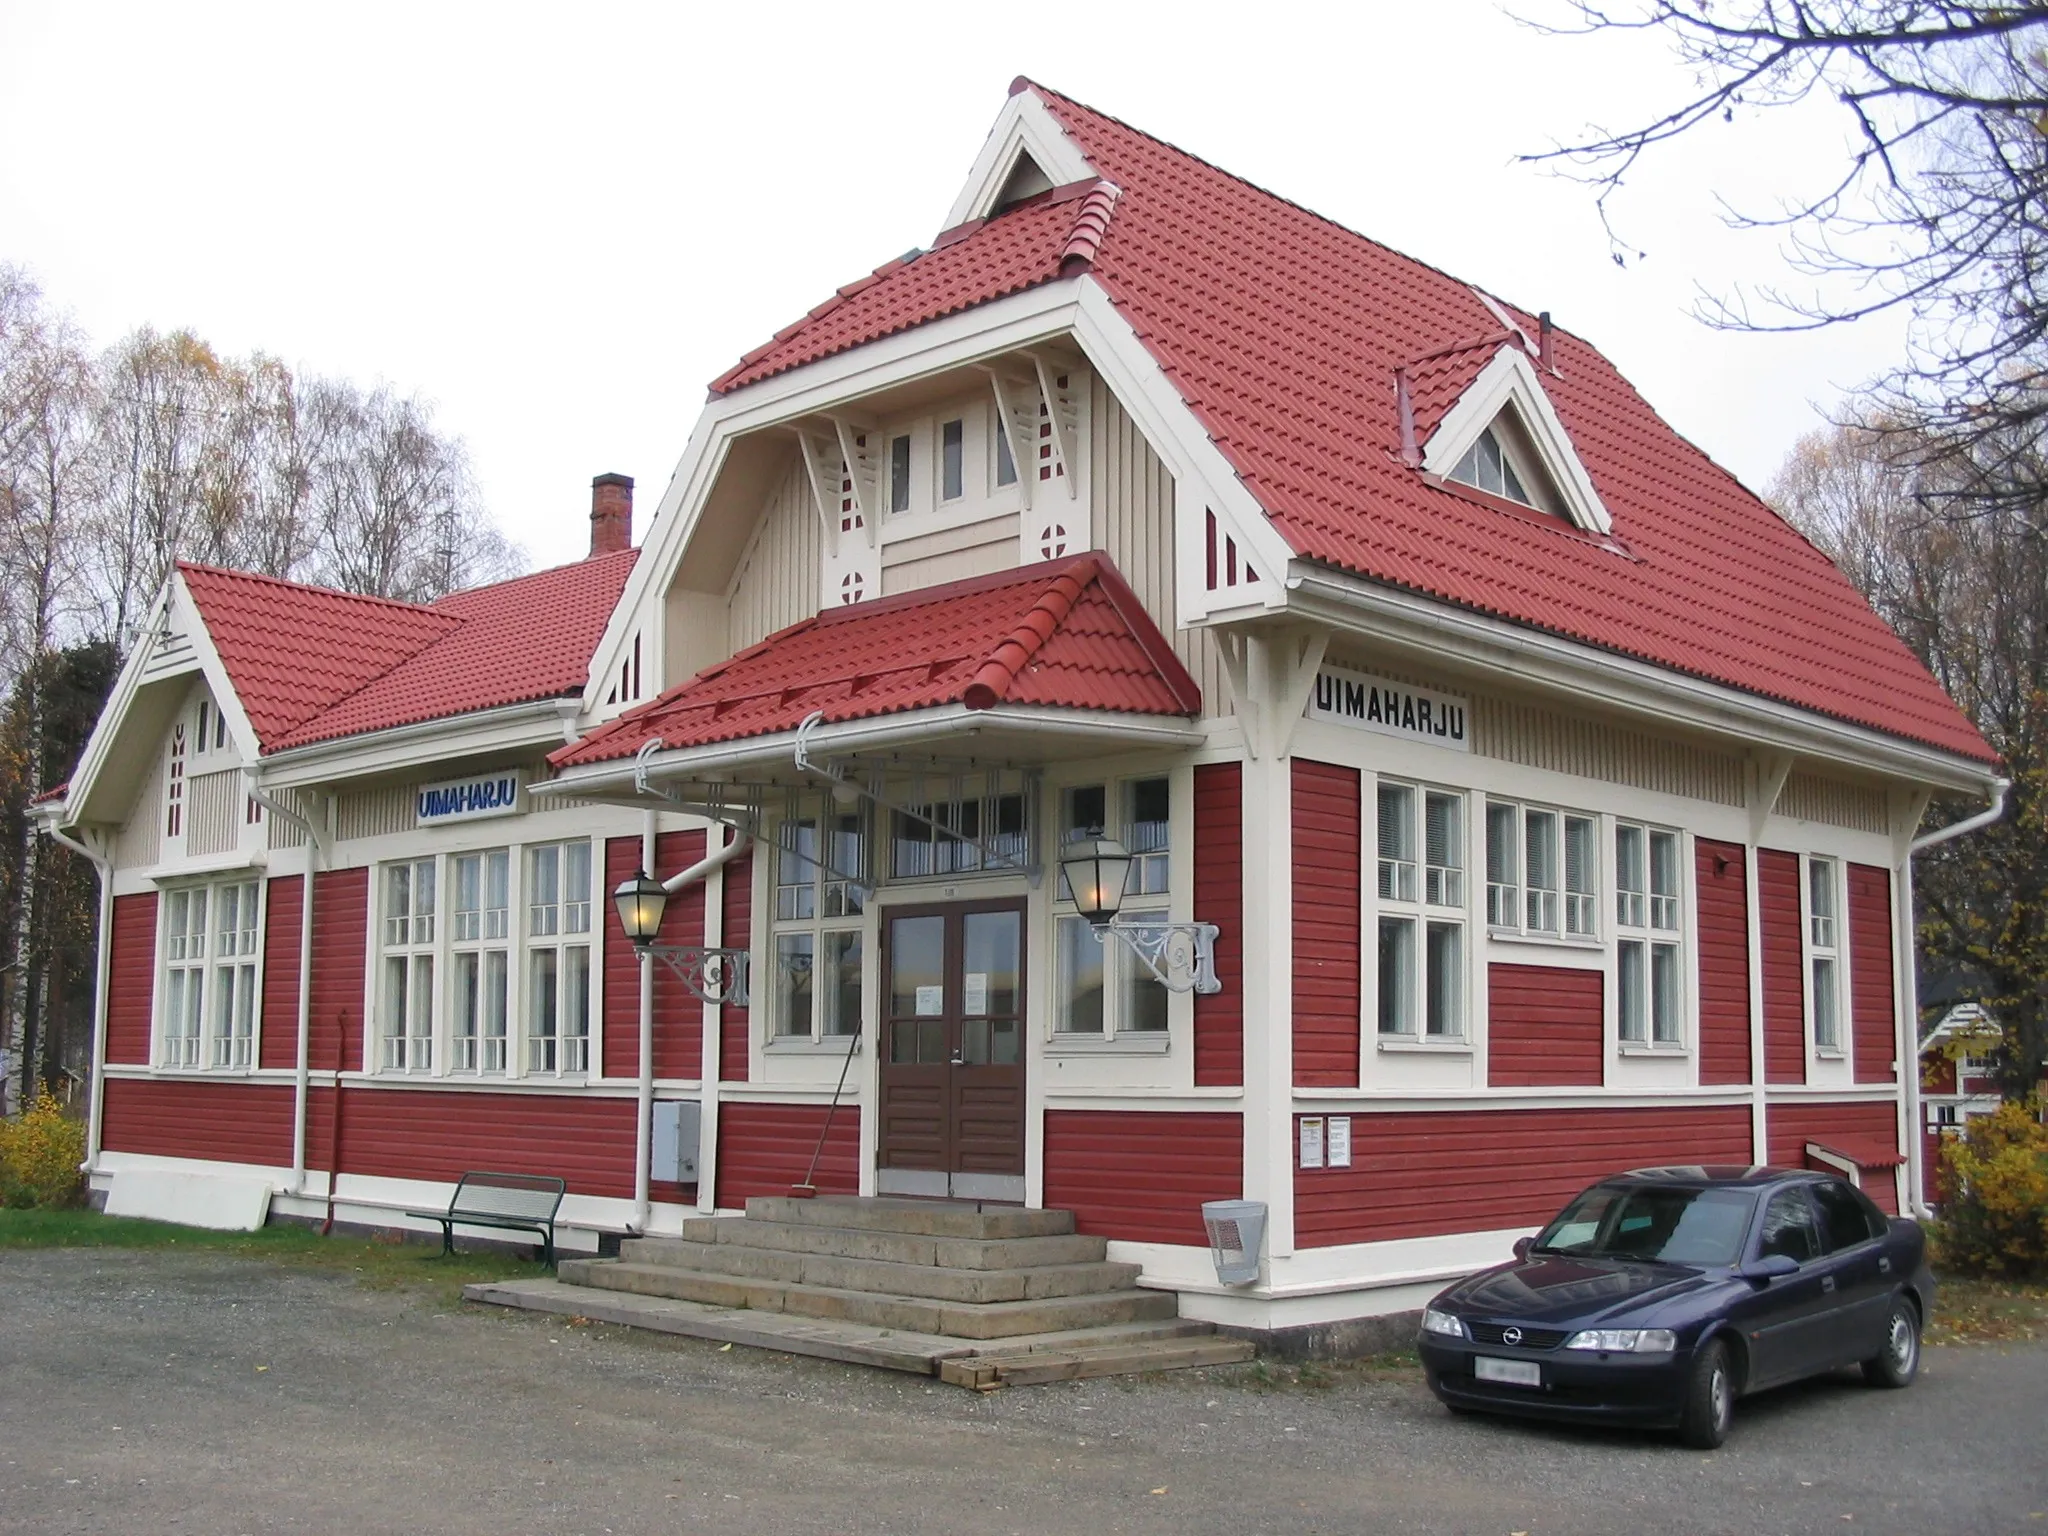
(1787, 1319)
(953, 1069)
(1862, 1277)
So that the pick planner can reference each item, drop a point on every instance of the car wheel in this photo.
(1709, 1399)
(1899, 1362)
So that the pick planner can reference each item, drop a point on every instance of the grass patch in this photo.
(380, 1263)
(1968, 1310)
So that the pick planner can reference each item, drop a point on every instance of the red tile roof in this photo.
(312, 664)
(1282, 332)
(987, 259)
(1067, 633)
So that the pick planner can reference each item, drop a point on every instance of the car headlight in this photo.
(1625, 1341)
(1444, 1323)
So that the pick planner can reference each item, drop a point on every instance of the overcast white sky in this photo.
(560, 223)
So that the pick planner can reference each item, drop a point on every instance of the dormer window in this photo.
(953, 460)
(1486, 467)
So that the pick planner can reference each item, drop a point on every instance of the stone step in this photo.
(880, 1276)
(986, 1372)
(952, 1319)
(925, 1218)
(1150, 1345)
(896, 1247)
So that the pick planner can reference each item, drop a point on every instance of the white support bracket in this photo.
(1180, 956)
(1771, 773)
(1010, 419)
(860, 470)
(1062, 440)
(824, 481)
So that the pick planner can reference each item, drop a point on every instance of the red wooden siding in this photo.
(1219, 899)
(1873, 1022)
(1327, 830)
(765, 1148)
(1851, 1128)
(1777, 879)
(225, 1122)
(678, 1017)
(280, 1022)
(1723, 885)
(402, 1133)
(1421, 1174)
(341, 916)
(738, 909)
(131, 978)
(1544, 1026)
(1139, 1176)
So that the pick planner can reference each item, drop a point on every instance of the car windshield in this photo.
(1654, 1224)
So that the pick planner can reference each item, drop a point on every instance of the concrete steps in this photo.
(905, 1284)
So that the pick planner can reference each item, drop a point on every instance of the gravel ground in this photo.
(146, 1391)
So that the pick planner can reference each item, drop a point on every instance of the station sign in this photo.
(1367, 703)
(469, 799)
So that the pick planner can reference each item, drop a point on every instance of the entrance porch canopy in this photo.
(1030, 666)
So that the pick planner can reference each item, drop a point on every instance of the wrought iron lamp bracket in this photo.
(1180, 956)
(710, 974)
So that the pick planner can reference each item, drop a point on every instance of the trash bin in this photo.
(1237, 1230)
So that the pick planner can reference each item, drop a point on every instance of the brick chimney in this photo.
(611, 514)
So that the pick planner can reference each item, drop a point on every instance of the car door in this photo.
(1855, 1259)
(1781, 1318)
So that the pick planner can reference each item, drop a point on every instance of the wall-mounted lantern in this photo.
(1182, 956)
(711, 974)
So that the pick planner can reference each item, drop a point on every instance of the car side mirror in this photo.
(1523, 1245)
(1772, 1266)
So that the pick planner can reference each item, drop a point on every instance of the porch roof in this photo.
(1065, 634)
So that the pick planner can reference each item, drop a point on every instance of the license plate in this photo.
(1516, 1373)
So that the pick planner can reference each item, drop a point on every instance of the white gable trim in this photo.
(1510, 380)
(1023, 127)
(174, 613)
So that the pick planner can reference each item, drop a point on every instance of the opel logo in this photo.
(1511, 1336)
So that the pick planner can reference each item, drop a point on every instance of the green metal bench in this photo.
(518, 1202)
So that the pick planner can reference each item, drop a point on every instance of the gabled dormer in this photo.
(1026, 153)
(1501, 436)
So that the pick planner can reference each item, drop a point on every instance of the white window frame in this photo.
(1431, 900)
(563, 925)
(409, 950)
(442, 1052)
(1650, 923)
(201, 969)
(811, 910)
(1556, 913)
(1824, 937)
(480, 937)
(1149, 892)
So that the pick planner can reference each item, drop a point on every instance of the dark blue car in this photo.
(1660, 1296)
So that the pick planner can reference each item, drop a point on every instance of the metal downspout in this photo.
(302, 1074)
(102, 966)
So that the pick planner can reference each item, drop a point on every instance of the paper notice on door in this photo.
(1339, 1139)
(1311, 1141)
(931, 1002)
(974, 1003)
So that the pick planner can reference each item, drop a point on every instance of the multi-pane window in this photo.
(820, 871)
(233, 1009)
(558, 958)
(174, 785)
(185, 934)
(480, 938)
(1486, 466)
(977, 826)
(1102, 989)
(210, 949)
(1541, 870)
(1823, 941)
(1420, 886)
(1649, 983)
(406, 1012)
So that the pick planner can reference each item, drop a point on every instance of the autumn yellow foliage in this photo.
(40, 1151)
(1994, 1194)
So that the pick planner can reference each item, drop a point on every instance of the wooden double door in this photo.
(952, 1051)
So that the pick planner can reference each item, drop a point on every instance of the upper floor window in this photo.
(977, 827)
(899, 473)
(174, 785)
(1486, 466)
(210, 956)
(1421, 898)
(1101, 989)
(820, 872)
(1648, 976)
(1823, 951)
(952, 460)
